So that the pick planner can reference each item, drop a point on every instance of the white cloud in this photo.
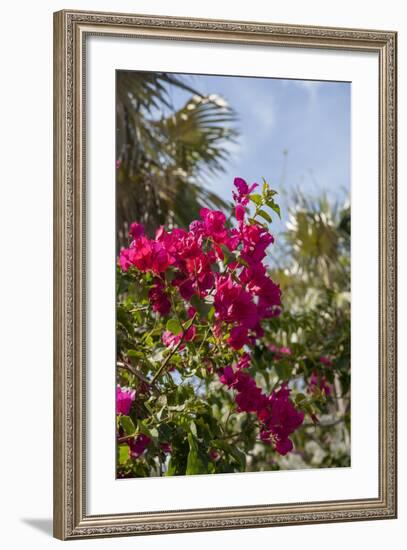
(310, 86)
(261, 108)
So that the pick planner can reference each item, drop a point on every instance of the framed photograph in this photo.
(225, 274)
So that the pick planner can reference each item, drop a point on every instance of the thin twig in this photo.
(124, 438)
(128, 367)
(174, 349)
(312, 425)
(166, 360)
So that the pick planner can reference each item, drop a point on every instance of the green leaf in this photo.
(228, 256)
(257, 199)
(188, 323)
(264, 215)
(233, 451)
(124, 454)
(299, 398)
(196, 463)
(265, 187)
(134, 353)
(142, 428)
(127, 424)
(274, 206)
(174, 326)
(172, 467)
(177, 408)
(170, 275)
(193, 428)
(154, 433)
(162, 401)
(211, 313)
(242, 261)
(200, 305)
(283, 370)
(149, 341)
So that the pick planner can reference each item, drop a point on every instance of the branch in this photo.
(166, 360)
(334, 423)
(125, 438)
(137, 374)
(174, 349)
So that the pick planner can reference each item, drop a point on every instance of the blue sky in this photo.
(295, 133)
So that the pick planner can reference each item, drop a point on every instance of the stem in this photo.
(227, 420)
(232, 436)
(329, 425)
(166, 360)
(132, 370)
(175, 348)
(124, 438)
(204, 340)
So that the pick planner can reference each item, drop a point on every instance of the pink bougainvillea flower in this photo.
(279, 352)
(170, 340)
(234, 304)
(140, 253)
(185, 286)
(197, 228)
(124, 259)
(191, 311)
(285, 350)
(283, 446)
(138, 445)
(319, 382)
(240, 212)
(285, 418)
(239, 337)
(313, 381)
(243, 191)
(166, 447)
(227, 376)
(199, 270)
(250, 396)
(280, 419)
(136, 230)
(186, 245)
(190, 333)
(214, 455)
(124, 399)
(214, 224)
(325, 360)
(147, 255)
(244, 362)
(159, 300)
(255, 241)
(160, 258)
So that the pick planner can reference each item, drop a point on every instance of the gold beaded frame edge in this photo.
(70, 31)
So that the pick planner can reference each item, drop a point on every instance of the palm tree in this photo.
(165, 155)
(317, 242)
(314, 275)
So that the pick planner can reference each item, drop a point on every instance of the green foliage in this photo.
(165, 154)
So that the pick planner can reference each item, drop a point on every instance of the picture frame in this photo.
(72, 29)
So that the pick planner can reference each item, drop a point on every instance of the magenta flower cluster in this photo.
(244, 294)
(225, 266)
(124, 399)
(277, 415)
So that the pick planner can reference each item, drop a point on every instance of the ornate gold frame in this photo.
(70, 31)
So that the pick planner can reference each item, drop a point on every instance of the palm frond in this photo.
(164, 155)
